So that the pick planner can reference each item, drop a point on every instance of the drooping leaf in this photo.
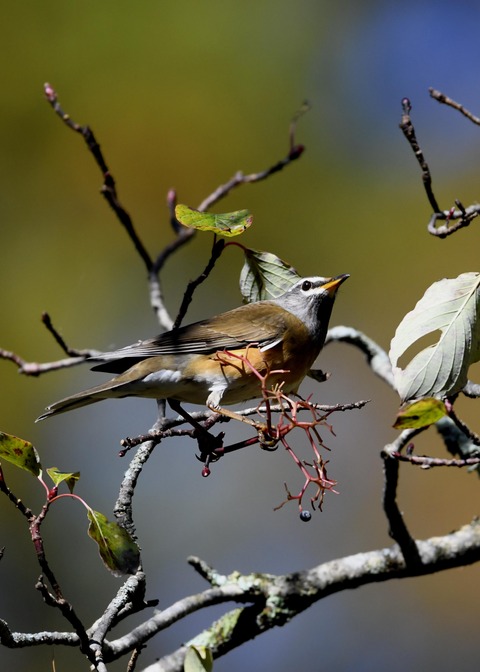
(21, 453)
(421, 413)
(228, 224)
(265, 276)
(58, 477)
(440, 370)
(117, 549)
(198, 659)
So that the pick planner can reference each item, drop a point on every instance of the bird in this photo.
(216, 361)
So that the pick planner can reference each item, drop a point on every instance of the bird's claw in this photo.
(210, 446)
(266, 441)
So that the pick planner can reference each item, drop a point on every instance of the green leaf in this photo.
(21, 453)
(421, 413)
(440, 370)
(228, 224)
(198, 659)
(117, 549)
(265, 276)
(58, 477)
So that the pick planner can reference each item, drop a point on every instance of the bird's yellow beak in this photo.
(334, 283)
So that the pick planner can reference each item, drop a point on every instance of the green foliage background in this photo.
(183, 95)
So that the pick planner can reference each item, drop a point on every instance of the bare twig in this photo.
(397, 527)
(295, 152)
(455, 218)
(461, 218)
(427, 462)
(408, 131)
(36, 369)
(109, 189)
(217, 249)
(469, 433)
(442, 98)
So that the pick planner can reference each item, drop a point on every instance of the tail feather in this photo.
(85, 398)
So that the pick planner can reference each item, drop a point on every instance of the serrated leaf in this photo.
(228, 224)
(421, 413)
(198, 659)
(58, 477)
(21, 453)
(265, 276)
(440, 370)
(117, 549)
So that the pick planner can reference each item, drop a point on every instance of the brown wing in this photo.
(228, 331)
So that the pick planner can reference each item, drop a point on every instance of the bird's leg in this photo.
(264, 438)
(207, 443)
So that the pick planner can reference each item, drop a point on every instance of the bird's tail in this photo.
(107, 390)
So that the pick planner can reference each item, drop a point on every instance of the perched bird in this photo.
(208, 362)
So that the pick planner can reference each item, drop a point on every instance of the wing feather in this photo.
(246, 325)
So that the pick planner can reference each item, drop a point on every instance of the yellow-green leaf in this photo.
(228, 224)
(421, 413)
(19, 452)
(117, 549)
(198, 659)
(58, 477)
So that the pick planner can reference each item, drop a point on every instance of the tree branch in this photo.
(377, 358)
(277, 599)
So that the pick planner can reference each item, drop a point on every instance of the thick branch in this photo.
(274, 600)
(284, 597)
(377, 358)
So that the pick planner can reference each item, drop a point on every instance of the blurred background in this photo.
(184, 94)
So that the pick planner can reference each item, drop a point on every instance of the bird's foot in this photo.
(210, 446)
(265, 439)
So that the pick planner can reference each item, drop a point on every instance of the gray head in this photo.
(311, 300)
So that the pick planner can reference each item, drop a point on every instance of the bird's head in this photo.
(311, 300)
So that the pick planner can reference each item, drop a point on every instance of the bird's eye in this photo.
(306, 285)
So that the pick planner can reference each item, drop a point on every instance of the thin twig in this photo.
(469, 433)
(427, 462)
(442, 98)
(408, 131)
(295, 151)
(36, 369)
(217, 249)
(397, 527)
(455, 218)
(109, 189)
